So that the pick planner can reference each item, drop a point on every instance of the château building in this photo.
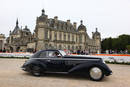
(52, 33)
(19, 40)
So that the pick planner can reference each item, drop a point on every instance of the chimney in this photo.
(56, 19)
(68, 21)
(75, 25)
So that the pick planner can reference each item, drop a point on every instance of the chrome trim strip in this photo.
(56, 72)
(63, 59)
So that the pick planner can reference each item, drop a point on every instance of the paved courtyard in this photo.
(12, 76)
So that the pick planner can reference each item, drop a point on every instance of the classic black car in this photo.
(56, 61)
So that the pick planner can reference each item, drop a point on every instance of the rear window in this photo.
(35, 55)
(43, 54)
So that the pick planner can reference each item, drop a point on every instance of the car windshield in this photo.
(62, 52)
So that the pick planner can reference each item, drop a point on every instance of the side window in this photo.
(43, 54)
(50, 54)
(53, 54)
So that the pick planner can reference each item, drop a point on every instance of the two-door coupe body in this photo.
(56, 61)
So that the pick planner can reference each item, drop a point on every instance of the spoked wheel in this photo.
(36, 71)
(96, 73)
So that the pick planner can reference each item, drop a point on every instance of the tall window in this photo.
(76, 38)
(72, 37)
(80, 38)
(72, 47)
(64, 36)
(46, 34)
(55, 36)
(60, 47)
(68, 47)
(50, 35)
(60, 35)
(68, 37)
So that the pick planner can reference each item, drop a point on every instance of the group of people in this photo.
(79, 52)
(3, 50)
(116, 52)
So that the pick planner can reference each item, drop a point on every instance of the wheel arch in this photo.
(86, 67)
(38, 63)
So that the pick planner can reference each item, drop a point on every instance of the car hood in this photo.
(80, 57)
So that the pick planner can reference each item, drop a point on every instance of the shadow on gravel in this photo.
(61, 76)
(67, 76)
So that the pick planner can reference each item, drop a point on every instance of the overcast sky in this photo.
(111, 17)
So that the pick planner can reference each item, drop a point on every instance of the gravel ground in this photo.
(12, 76)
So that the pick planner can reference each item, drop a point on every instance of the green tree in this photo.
(119, 43)
(128, 48)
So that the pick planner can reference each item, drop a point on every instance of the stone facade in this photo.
(52, 33)
(2, 42)
(19, 39)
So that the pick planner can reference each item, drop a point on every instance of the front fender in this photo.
(82, 67)
(86, 66)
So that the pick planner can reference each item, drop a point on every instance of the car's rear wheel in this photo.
(96, 73)
(36, 71)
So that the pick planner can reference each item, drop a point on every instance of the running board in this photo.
(57, 72)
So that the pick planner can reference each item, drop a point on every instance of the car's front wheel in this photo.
(96, 73)
(36, 71)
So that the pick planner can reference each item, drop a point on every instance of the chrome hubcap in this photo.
(95, 73)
